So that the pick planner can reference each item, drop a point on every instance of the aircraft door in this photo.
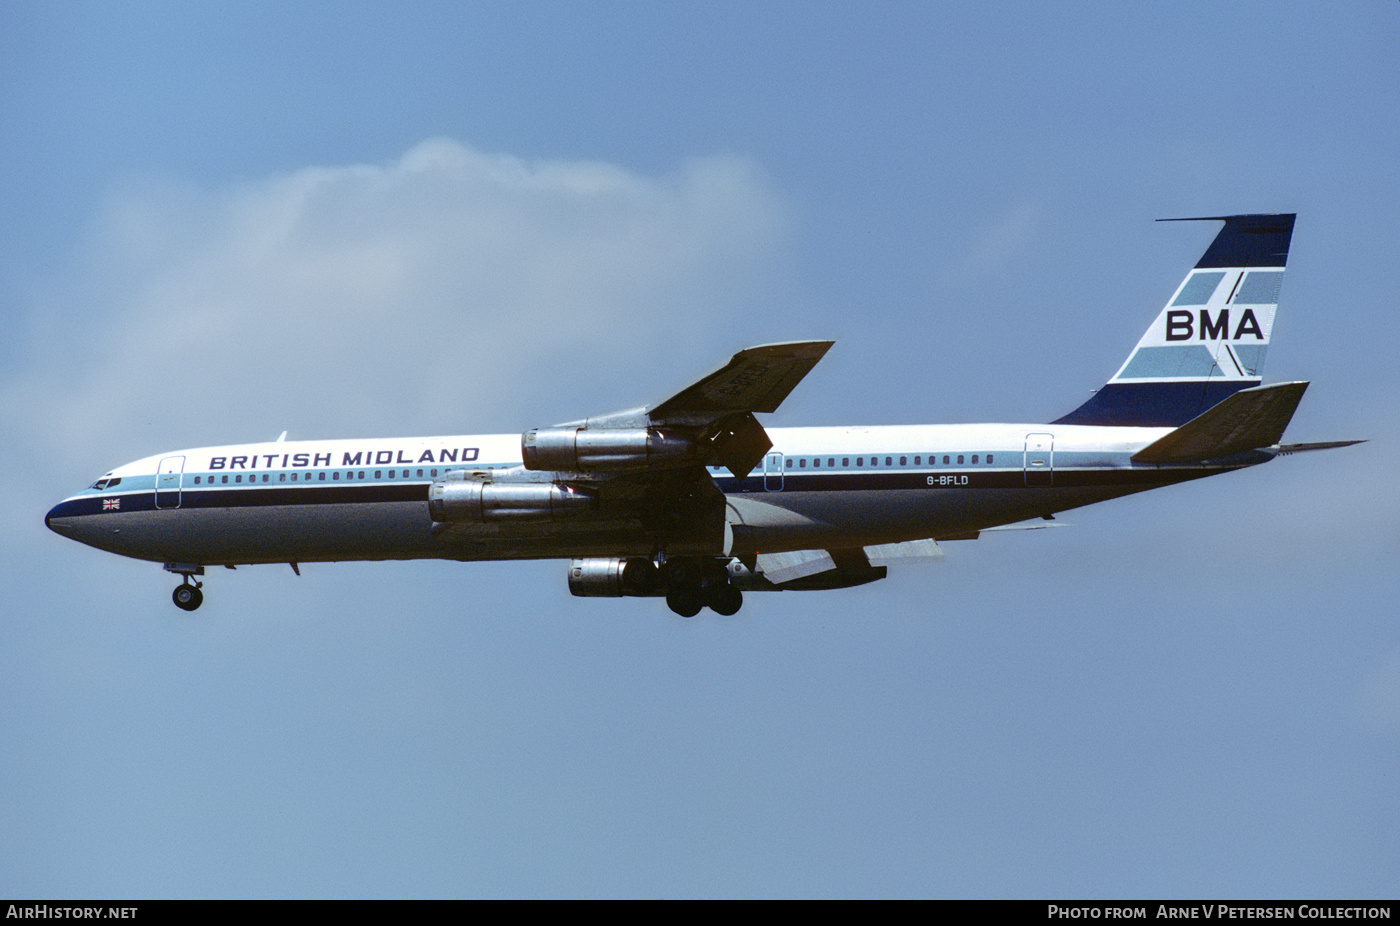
(169, 477)
(1040, 459)
(773, 472)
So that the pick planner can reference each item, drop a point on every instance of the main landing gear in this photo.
(692, 584)
(187, 595)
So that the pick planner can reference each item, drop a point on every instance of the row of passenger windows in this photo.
(353, 475)
(948, 458)
(320, 476)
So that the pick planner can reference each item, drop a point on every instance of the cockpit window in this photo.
(106, 482)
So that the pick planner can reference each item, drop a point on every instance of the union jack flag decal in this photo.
(111, 504)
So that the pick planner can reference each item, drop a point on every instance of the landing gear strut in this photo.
(187, 595)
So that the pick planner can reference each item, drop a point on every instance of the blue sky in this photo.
(225, 221)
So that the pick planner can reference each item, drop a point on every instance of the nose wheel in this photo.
(187, 595)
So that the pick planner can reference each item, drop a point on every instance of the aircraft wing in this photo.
(754, 380)
(710, 421)
(723, 404)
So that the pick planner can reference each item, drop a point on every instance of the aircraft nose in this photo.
(48, 518)
(59, 519)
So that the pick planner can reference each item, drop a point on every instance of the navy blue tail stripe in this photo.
(1153, 405)
(1247, 240)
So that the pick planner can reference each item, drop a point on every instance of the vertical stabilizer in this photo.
(1210, 339)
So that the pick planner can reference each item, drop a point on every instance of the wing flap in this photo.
(796, 564)
(898, 554)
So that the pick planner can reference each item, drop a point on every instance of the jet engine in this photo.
(599, 577)
(593, 449)
(463, 496)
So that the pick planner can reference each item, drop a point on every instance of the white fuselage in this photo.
(817, 488)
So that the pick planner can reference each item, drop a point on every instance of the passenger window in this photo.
(335, 477)
(903, 461)
(789, 463)
(282, 478)
(845, 461)
(802, 463)
(989, 459)
(391, 474)
(960, 459)
(945, 458)
(860, 461)
(816, 463)
(420, 474)
(237, 478)
(323, 477)
(889, 461)
(974, 458)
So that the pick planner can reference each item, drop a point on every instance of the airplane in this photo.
(693, 500)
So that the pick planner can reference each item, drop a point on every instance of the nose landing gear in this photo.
(187, 595)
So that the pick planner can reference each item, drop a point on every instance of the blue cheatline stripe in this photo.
(805, 482)
(963, 479)
(249, 498)
(1153, 405)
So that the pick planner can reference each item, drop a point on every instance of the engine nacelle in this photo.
(464, 497)
(588, 450)
(612, 578)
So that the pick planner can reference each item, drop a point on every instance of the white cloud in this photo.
(452, 290)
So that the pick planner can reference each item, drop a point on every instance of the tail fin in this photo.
(1210, 339)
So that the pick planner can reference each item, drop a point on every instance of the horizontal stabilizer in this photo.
(1248, 420)
(1285, 449)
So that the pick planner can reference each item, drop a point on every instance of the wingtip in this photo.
(796, 348)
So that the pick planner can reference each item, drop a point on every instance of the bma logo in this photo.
(1181, 326)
